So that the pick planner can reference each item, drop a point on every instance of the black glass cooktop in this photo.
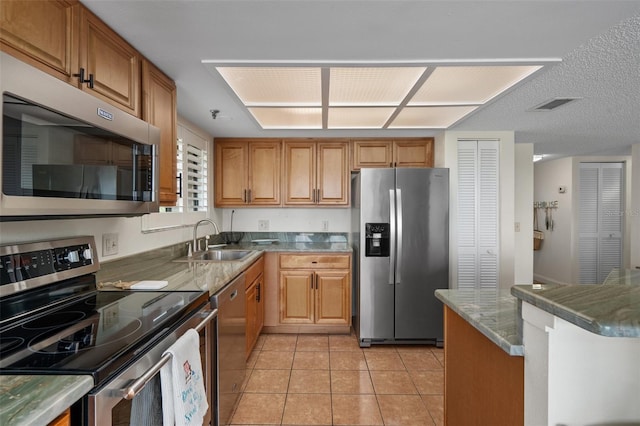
(94, 333)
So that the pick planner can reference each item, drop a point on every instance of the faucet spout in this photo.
(195, 231)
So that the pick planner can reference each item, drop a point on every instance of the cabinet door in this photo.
(40, 33)
(296, 297)
(372, 154)
(413, 153)
(264, 173)
(159, 108)
(63, 419)
(259, 306)
(114, 64)
(299, 173)
(333, 301)
(230, 173)
(251, 306)
(333, 178)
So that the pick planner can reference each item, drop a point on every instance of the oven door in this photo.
(115, 402)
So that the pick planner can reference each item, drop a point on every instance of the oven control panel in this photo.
(28, 261)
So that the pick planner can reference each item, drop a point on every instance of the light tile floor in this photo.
(329, 380)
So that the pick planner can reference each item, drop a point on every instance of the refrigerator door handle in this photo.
(399, 235)
(392, 232)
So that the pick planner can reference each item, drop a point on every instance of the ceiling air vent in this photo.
(553, 104)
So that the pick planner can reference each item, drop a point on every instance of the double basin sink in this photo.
(216, 255)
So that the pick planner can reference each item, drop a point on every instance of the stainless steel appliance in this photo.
(53, 320)
(232, 342)
(400, 219)
(66, 153)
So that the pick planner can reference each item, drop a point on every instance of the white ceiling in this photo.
(598, 42)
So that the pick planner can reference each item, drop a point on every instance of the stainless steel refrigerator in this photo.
(400, 237)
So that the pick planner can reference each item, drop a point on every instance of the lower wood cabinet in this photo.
(63, 419)
(254, 295)
(315, 289)
(483, 384)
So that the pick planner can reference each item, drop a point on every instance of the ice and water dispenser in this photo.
(377, 239)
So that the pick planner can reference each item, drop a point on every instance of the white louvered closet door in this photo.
(478, 204)
(601, 220)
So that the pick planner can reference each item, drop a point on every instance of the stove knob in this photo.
(73, 257)
(87, 254)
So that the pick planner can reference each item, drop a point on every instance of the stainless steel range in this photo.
(53, 320)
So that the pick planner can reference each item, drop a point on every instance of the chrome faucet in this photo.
(195, 232)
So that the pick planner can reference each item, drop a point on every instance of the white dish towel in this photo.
(184, 400)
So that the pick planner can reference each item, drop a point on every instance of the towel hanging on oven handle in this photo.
(132, 390)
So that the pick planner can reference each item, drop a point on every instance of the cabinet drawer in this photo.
(315, 261)
(254, 271)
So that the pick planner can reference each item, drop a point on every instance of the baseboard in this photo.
(546, 280)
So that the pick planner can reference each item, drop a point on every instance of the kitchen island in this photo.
(569, 354)
(484, 366)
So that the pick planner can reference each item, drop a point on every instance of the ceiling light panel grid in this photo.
(471, 85)
(275, 86)
(365, 86)
(287, 118)
(368, 97)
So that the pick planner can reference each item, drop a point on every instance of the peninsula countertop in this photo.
(492, 312)
(611, 309)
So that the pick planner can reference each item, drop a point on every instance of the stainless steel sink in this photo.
(217, 256)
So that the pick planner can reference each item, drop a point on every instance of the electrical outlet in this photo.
(109, 244)
(263, 225)
(325, 225)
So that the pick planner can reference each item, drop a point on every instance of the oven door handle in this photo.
(131, 391)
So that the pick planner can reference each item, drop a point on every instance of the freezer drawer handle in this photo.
(135, 388)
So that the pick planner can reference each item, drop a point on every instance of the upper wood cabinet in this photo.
(41, 33)
(113, 64)
(247, 172)
(159, 108)
(393, 153)
(62, 37)
(316, 172)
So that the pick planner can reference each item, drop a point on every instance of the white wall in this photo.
(287, 219)
(131, 240)
(446, 155)
(557, 261)
(523, 196)
(552, 263)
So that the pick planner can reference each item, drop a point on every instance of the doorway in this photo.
(601, 215)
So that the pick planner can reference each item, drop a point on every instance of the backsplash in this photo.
(289, 237)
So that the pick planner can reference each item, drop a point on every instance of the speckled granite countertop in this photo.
(37, 400)
(492, 312)
(611, 310)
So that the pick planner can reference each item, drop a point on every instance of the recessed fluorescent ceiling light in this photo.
(359, 118)
(288, 118)
(368, 97)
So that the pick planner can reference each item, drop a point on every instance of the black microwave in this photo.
(65, 153)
